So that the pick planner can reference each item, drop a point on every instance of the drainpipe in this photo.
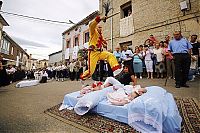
(63, 49)
(111, 29)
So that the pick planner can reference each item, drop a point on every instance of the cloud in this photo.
(27, 43)
(38, 35)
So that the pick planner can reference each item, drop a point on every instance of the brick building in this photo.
(12, 53)
(2, 23)
(157, 17)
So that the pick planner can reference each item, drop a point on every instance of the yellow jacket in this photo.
(96, 39)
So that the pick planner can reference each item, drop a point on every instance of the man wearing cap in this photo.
(180, 48)
(95, 52)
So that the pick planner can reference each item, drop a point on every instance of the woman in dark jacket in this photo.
(4, 80)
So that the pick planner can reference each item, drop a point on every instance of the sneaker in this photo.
(140, 77)
(117, 72)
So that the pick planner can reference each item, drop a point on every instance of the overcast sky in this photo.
(38, 37)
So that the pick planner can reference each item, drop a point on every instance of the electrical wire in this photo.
(36, 18)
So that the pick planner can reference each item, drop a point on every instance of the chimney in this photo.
(30, 56)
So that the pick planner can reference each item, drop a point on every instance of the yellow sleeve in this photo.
(93, 25)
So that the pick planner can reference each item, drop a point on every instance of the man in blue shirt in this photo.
(118, 54)
(180, 48)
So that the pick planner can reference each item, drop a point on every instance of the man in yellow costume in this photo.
(95, 51)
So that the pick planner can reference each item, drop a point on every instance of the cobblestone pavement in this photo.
(21, 109)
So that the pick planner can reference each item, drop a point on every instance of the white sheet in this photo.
(27, 83)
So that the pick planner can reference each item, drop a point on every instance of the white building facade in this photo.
(76, 37)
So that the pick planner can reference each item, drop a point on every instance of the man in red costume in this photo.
(95, 51)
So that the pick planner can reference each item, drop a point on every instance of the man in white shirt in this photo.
(159, 64)
(127, 57)
(10, 71)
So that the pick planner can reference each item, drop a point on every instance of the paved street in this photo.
(21, 110)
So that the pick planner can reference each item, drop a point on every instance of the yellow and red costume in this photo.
(95, 52)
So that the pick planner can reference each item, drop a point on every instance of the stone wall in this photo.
(157, 17)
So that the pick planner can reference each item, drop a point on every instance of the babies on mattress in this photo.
(89, 88)
(121, 97)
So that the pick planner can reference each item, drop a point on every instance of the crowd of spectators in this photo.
(149, 60)
(153, 59)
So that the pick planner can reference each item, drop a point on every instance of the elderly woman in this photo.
(137, 63)
(159, 66)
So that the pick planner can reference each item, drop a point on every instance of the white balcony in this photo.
(126, 26)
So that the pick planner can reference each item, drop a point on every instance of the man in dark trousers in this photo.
(180, 48)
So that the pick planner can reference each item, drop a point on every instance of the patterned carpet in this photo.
(188, 108)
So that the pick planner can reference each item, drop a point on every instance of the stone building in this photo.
(156, 17)
(43, 63)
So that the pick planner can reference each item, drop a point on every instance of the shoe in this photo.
(185, 85)
(177, 86)
(140, 77)
(81, 77)
(117, 72)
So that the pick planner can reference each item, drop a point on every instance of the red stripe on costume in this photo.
(83, 77)
(116, 67)
(89, 61)
(98, 19)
